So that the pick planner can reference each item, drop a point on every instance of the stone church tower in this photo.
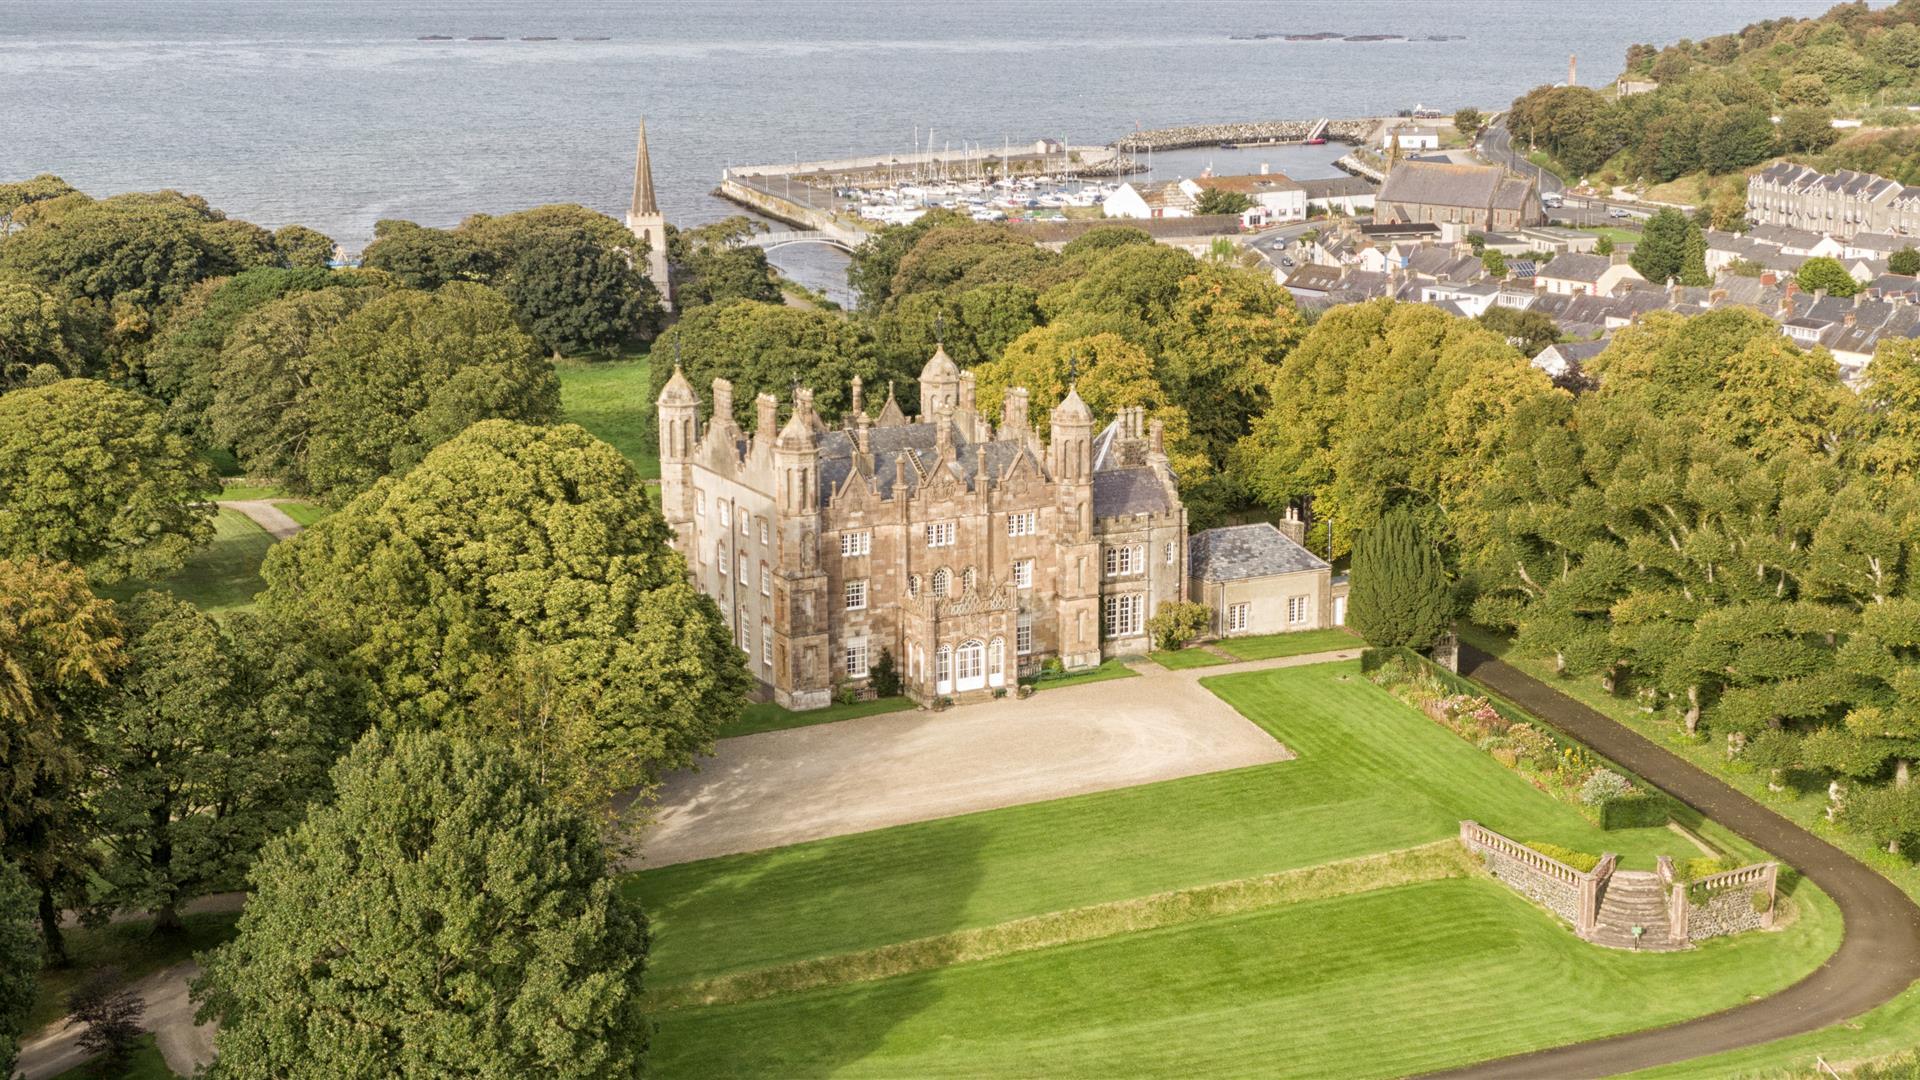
(645, 221)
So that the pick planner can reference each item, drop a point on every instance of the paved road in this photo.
(167, 1011)
(1497, 145)
(266, 515)
(1878, 958)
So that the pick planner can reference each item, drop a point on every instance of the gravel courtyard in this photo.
(786, 787)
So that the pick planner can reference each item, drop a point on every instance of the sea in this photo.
(338, 113)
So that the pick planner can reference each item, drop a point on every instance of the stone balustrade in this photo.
(1572, 894)
(1727, 905)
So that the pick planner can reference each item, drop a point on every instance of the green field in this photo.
(1115, 668)
(1296, 983)
(766, 716)
(223, 576)
(1180, 659)
(1615, 233)
(303, 512)
(1299, 643)
(612, 399)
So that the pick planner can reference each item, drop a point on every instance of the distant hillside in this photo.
(1713, 108)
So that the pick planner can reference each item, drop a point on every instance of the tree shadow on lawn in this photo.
(778, 899)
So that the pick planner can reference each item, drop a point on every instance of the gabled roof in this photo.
(1126, 491)
(1575, 267)
(1239, 552)
(1433, 184)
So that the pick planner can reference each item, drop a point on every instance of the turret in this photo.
(796, 459)
(679, 416)
(939, 384)
(1071, 448)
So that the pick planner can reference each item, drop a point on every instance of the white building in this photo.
(1144, 201)
(1412, 138)
(1279, 197)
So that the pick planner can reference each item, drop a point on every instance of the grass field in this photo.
(612, 399)
(762, 716)
(1617, 234)
(223, 576)
(303, 512)
(1298, 643)
(1372, 776)
(1891, 1029)
(1193, 657)
(1108, 669)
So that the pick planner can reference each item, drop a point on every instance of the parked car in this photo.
(1286, 260)
(1616, 212)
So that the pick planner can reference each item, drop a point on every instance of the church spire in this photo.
(643, 201)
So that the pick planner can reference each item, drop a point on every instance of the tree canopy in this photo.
(767, 349)
(19, 961)
(411, 369)
(1400, 593)
(519, 583)
(443, 916)
(89, 474)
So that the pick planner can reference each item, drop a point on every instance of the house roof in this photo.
(1313, 276)
(1433, 184)
(1250, 184)
(1337, 187)
(1125, 491)
(1238, 552)
(1575, 266)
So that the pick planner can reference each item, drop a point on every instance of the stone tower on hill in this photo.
(645, 221)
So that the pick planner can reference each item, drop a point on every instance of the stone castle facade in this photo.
(972, 551)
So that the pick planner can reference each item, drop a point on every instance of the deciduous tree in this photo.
(62, 645)
(410, 370)
(444, 916)
(575, 295)
(519, 583)
(89, 474)
(1824, 273)
(19, 961)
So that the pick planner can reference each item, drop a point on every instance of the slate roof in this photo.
(1432, 184)
(1337, 187)
(1576, 267)
(1238, 552)
(1120, 492)
(916, 442)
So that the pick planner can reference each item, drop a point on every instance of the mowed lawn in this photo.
(1372, 775)
(1384, 983)
(223, 576)
(1400, 979)
(611, 399)
(1298, 643)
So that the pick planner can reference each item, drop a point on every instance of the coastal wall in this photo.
(785, 210)
(1085, 159)
(1254, 131)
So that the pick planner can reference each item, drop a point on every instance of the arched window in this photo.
(913, 585)
(970, 666)
(966, 582)
(943, 670)
(940, 580)
(997, 662)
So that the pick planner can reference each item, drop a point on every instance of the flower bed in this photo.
(1567, 771)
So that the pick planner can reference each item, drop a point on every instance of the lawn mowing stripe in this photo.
(1428, 862)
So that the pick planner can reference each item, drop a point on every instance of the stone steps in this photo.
(1633, 898)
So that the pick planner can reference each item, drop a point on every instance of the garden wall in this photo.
(1552, 884)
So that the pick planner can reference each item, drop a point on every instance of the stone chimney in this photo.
(859, 397)
(980, 476)
(766, 422)
(722, 401)
(1292, 527)
(1156, 439)
(1013, 411)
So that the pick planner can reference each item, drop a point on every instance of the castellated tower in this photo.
(645, 221)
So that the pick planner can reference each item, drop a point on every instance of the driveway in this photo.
(267, 516)
(168, 1013)
(1878, 958)
(788, 787)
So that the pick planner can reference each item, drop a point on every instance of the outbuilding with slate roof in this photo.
(1259, 580)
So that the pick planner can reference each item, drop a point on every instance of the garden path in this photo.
(266, 515)
(807, 783)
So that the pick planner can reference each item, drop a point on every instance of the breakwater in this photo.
(1252, 131)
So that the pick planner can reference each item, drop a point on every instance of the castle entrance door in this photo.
(971, 667)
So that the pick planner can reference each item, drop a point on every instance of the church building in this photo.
(646, 222)
(972, 551)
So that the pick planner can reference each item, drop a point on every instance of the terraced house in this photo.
(1838, 204)
(968, 550)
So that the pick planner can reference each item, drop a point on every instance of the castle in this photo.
(971, 552)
